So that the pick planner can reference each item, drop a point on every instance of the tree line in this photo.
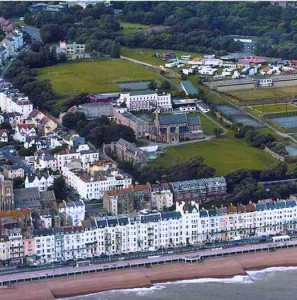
(208, 26)
(97, 131)
(95, 26)
(21, 74)
(258, 140)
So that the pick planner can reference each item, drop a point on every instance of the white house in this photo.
(45, 160)
(13, 118)
(11, 100)
(74, 210)
(146, 100)
(10, 45)
(161, 196)
(92, 185)
(88, 157)
(63, 158)
(42, 182)
(4, 250)
(45, 245)
(16, 246)
(23, 132)
(3, 136)
(74, 243)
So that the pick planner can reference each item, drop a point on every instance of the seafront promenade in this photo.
(194, 257)
(217, 267)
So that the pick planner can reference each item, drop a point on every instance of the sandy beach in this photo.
(146, 277)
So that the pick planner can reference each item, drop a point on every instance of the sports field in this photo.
(263, 93)
(93, 76)
(273, 108)
(224, 154)
(129, 28)
(147, 55)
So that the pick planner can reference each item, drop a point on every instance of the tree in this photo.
(70, 120)
(27, 152)
(5, 125)
(218, 131)
(59, 188)
(165, 85)
(18, 182)
(152, 85)
(115, 50)
(51, 33)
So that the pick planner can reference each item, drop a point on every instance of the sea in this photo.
(267, 284)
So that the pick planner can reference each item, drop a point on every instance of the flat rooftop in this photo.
(184, 101)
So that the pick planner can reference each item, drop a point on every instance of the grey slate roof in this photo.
(26, 194)
(48, 196)
(167, 119)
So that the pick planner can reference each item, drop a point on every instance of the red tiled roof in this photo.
(34, 113)
(26, 126)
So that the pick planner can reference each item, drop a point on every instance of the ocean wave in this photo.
(236, 279)
(140, 291)
(261, 274)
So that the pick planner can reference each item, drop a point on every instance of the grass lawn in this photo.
(146, 55)
(274, 108)
(207, 125)
(93, 76)
(129, 28)
(225, 154)
(263, 93)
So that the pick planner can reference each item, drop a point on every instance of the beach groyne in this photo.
(223, 267)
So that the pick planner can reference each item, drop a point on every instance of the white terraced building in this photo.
(92, 186)
(187, 225)
(154, 230)
(12, 101)
(146, 100)
(86, 157)
(74, 210)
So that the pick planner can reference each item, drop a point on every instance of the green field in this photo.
(93, 76)
(207, 125)
(263, 93)
(225, 154)
(146, 55)
(273, 108)
(129, 28)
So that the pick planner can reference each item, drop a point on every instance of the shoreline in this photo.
(216, 268)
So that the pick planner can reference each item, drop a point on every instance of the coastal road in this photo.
(66, 271)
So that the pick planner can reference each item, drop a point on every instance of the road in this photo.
(174, 74)
(15, 159)
(33, 32)
(153, 259)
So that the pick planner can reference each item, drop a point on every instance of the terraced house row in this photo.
(149, 231)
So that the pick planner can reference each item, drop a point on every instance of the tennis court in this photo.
(238, 116)
(286, 122)
(134, 85)
(228, 110)
(248, 121)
